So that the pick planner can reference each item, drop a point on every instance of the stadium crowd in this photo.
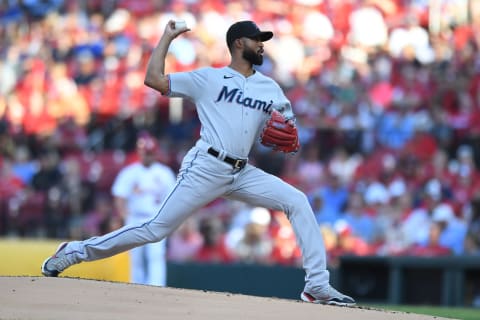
(386, 93)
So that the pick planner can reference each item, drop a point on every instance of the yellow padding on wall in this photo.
(24, 257)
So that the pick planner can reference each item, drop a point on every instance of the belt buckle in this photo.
(238, 164)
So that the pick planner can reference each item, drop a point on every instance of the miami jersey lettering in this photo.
(225, 104)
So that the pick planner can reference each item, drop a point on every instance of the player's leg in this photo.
(202, 179)
(156, 263)
(138, 268)
(259, 188)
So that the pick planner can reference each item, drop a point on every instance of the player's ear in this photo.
(238, 43)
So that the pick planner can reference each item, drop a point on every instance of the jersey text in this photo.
(236, 95)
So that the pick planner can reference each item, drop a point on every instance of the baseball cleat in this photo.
(330, 297)
(58, 262)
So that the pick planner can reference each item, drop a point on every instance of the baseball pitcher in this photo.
(236, 105)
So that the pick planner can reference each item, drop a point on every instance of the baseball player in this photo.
(138, 191)
(236, 105)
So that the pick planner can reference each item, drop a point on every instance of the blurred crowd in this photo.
(386, 93)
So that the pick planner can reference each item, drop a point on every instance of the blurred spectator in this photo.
(255, 244)
(56, 214)
(10, 183)
(360, 222)
(432, 247)
(39, 9)
(410, 41)
(344, 165)
(48, 174)
(24, 166)
(285, 250)
(329, 199)
(416, 225)
(213, 249)
(472, 243)
(376, 196)
(391, 237)
(185, 242)
(367, 27)
(452, 231)
(287, 51)
(344, 242)
(438, 169)
(98, 220)
(310, 169)
(396, 127)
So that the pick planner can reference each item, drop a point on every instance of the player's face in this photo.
(253, 51)
(146, 157)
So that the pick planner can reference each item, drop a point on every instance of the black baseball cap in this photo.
(246, 29)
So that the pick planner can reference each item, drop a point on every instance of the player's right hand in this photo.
(173, 32)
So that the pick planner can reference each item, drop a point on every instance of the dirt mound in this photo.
(23, 298)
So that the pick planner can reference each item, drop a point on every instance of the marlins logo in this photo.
(236, 95)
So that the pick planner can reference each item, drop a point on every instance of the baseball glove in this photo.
(280, 134)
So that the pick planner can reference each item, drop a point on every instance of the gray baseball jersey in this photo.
(232, 109)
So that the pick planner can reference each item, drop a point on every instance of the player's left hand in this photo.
(280, 134)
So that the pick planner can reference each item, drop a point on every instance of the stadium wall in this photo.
(446, 281)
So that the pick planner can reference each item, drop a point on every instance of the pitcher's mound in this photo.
(39, 298)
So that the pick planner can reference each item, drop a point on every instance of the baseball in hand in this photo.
(180, 24)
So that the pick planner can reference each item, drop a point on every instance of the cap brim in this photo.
(263, 35)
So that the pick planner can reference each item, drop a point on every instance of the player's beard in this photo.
(252, 57)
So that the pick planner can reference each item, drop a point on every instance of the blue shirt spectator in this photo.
(333, 196)
(454, 231)
(358, 219)
(396, 128)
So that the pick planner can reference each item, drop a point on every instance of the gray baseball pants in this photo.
(203, 178)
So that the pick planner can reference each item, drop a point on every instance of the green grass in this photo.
(445, 312)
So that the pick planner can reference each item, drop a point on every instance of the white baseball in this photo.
(180, 24)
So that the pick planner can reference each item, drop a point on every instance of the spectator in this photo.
(10, 183)
(392, 238)
(333, 197)
(185, 242)
(214, 249)
(285, 250)
(310, 170)
(98, 220)
(432, 247)
(473, 235)
(368, 28)
(416, 226)
(48, 174)
(396, 127)
(347, 243)
(255, 245)
(452, 231)
(410, 41)
(344, 165)
(361, 223)
(376, 196)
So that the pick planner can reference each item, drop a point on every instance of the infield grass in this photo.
(445, 312)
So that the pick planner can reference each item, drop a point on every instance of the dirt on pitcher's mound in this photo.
(23, 298)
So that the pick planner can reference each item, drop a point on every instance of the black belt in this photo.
(235, 163)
